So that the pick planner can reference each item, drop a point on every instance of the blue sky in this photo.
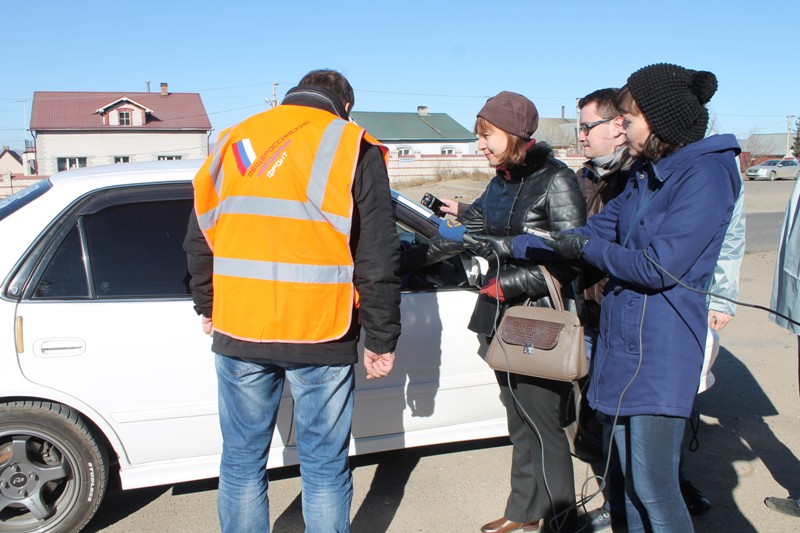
(447, 55)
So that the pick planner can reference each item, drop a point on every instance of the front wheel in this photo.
(53, 473)
(772, 176)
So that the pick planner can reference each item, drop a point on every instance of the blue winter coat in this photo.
(653, 330)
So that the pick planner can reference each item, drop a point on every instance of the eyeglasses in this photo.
(585, 127)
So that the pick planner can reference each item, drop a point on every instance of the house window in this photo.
(403, 150)
(68, 163)
(121, 159)
(124, 118)
(169, 157)
(448, 150)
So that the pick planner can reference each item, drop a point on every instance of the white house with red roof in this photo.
(86, 129)
(10, 162)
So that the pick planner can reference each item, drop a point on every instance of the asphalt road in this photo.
(763, 231)
(749, 442)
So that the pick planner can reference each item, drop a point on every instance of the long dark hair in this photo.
(655, 148)
(517, 146)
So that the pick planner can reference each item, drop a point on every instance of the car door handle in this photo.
(66, 347)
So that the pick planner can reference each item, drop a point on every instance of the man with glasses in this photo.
(602, 178)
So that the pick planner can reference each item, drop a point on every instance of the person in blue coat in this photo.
(659, 241)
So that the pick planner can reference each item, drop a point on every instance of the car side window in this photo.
(134, 250)
(445, 274)
(65, 276)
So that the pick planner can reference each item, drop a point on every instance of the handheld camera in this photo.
(433, 203)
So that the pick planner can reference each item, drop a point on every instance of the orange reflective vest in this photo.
(274, 201)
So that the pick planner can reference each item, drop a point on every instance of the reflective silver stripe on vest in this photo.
(277, 207)
(308, 210)
(324, 161)
(215, 169)
(286, 272)
(207, 220)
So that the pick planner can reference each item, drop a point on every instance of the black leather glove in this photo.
(491, 244)
(568, 245)
(441, 248)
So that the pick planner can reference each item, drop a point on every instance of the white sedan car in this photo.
(105, 369)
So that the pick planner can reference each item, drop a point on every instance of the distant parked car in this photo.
(106, 372)
(773, 169)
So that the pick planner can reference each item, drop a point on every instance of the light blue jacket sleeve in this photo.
(725, 281)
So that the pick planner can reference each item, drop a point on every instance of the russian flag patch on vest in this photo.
(244, 154)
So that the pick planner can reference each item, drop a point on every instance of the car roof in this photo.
(101, 177)
(128, 173)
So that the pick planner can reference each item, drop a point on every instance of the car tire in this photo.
(53, 472)
(772, 175)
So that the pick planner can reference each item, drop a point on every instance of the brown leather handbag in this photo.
(540, 341)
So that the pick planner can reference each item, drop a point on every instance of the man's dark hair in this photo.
(605, 100)
(333, 81)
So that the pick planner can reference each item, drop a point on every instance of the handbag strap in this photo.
(554, 287)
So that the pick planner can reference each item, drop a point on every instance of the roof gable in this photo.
(11, 153)
(59, 110)
(122, 100)
(409, 127)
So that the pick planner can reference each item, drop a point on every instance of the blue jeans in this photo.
(615, 481)
(649, 451)
(249, 396)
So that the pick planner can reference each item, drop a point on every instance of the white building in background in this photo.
(10, 162)
(82, 129)
(420, 133)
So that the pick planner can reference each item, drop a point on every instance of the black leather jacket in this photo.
(542, 193)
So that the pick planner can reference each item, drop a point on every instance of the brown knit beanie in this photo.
(512, 113)
(673, 99)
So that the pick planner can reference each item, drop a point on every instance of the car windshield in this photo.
(771, 163)
(23, 197)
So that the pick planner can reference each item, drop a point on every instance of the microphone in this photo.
(453, 230)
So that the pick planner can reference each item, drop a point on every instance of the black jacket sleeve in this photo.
(566, 209)
(376, 252)
(436, 250)
(200, 262)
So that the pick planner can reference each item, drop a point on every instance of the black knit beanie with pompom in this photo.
(673, 99)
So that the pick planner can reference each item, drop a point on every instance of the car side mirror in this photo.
(475, 267)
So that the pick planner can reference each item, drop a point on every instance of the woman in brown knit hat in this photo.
(531, 190)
